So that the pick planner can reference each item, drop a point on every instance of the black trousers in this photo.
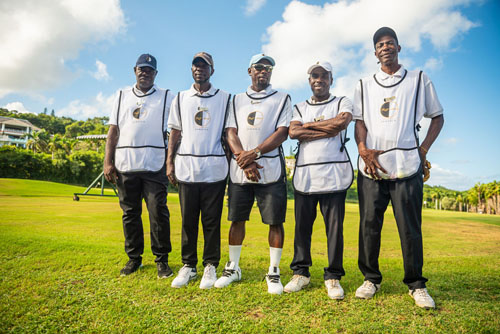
(332, 208)
(406, 198)
(208, 199)
(132, 188)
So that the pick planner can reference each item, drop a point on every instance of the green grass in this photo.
(59, 264)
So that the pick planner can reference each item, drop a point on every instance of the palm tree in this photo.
(459, 201)
(38, 141)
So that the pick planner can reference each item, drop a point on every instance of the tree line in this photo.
(54, 154)
(482, 198)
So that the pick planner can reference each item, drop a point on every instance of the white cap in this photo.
(258, 57)
(323, 64)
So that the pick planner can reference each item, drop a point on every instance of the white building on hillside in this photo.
(15, 131)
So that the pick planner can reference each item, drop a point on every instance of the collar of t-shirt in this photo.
(210, 92)
(389, 79)
(139, 92)
(330, 97)
(263, 93)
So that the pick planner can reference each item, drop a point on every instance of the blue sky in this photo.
(72, 56)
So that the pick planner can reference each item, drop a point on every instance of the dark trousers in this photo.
(406, 198)
(132, 188)
(208, 199)
(332, 208)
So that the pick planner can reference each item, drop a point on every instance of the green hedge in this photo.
(80, 167)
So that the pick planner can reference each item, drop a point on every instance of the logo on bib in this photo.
(138, 113)
(255, 118)
(389, 107)
(202, 117)
(320, 118)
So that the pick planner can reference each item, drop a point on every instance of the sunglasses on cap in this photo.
(262, 67)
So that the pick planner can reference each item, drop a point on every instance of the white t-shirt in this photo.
(200, 157)
(391, 111)
(141, 119)
(322, 165)
(256, 116)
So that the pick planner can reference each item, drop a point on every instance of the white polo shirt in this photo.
(323, 165)
(391, 107)
(200, 157)
(256, 116)
(141, 119)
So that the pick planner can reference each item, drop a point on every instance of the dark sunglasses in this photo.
(262, 67)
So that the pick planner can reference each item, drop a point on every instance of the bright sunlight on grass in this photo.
(60, 262)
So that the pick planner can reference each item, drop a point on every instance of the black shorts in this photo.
(271, 200)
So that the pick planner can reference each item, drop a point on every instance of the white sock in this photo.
(275, 254)
(234, 254)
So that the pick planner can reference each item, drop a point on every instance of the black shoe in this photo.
(131, 267)
(164, 270)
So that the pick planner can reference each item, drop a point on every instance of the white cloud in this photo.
(18, 106)
(451, 141)
(450, 179)
(43, 35)
(253, 6)
(341, 33)
(98, 106)
(433, 64)
(101, 73)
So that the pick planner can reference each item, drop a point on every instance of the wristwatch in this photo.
(257, 152)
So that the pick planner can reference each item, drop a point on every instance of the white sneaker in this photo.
(185, 275)
(274, 285)
(230, 274)
(334, 289)
(422, 298)
(297, 283)
(367, 290)
(209, 277)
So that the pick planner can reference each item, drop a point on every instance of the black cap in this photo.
(146, 60)
(384, 31)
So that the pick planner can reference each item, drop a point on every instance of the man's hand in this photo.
(245, 158)
(252, 172)
(110, 173)
(171, 173)
(371, 162)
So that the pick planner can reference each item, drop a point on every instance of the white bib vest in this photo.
(140, 120)
(200, 157)
(256, 119)
(322, 166)
(391, 117)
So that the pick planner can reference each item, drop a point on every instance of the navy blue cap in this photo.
(384, 31)
(146, 60)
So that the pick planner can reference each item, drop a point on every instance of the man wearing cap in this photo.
(387, 108)
(323, 173)
(200, 167)
(257, 125)
(135, 160)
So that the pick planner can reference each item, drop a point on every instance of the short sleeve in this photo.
(345, 105)
(433, 107)
(230, 120)
(113, 117)
(174, 117)
(286, 114)
(357, 111)
(296, 115)
(166, 112)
